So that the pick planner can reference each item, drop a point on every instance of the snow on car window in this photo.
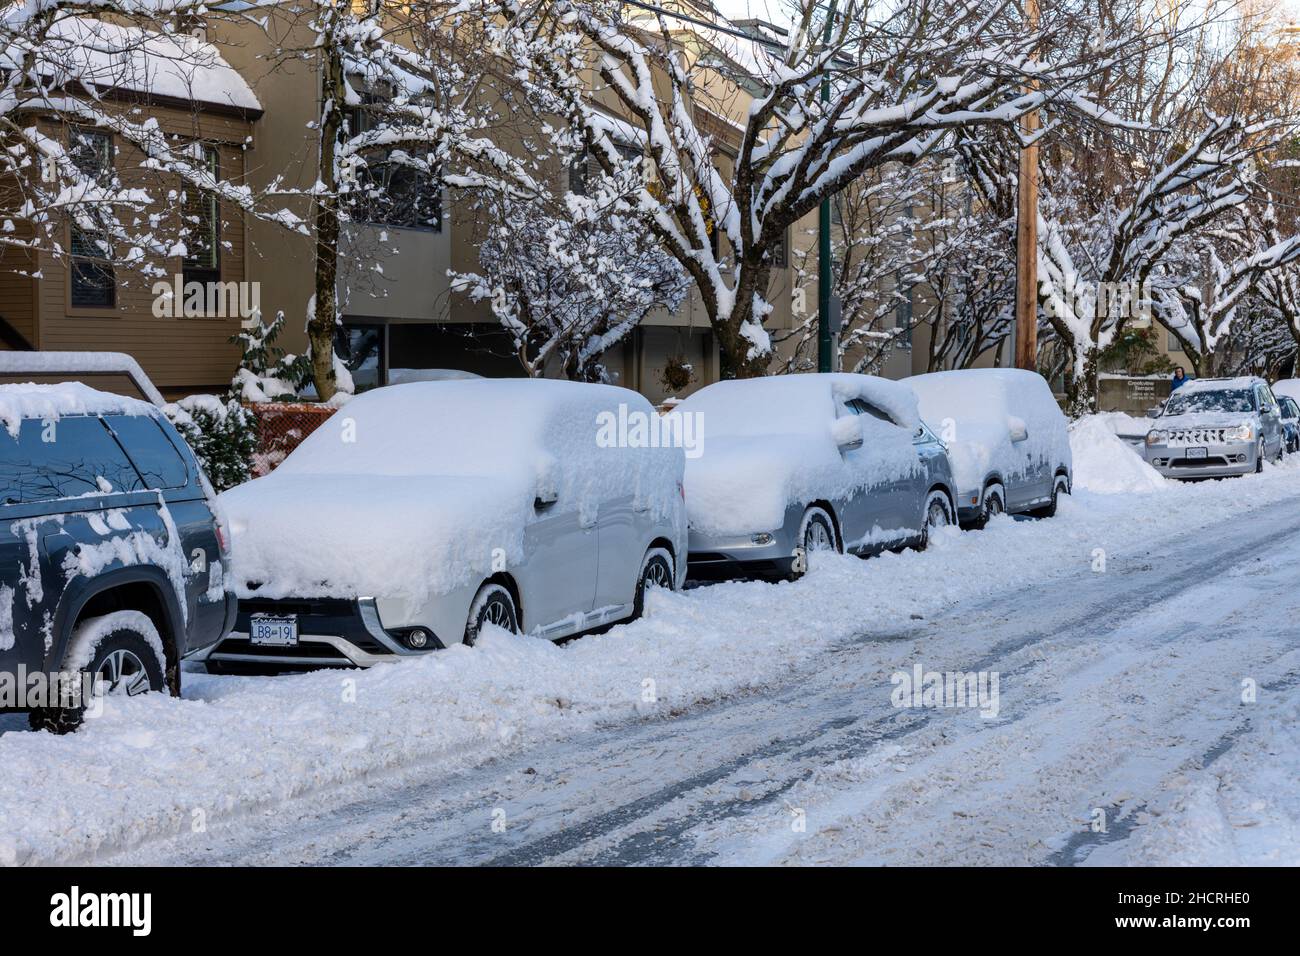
(1221, 400)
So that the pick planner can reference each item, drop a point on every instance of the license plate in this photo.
(1196, 452)
(273, 631)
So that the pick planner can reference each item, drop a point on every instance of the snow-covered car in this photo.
(112, 560)
(1008, 442)
(1289, 409)
(798, 463)
(1216, 428)
(419, 513)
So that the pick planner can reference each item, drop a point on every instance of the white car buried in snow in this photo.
(798, 463)
(419, 513)
(1008, 442)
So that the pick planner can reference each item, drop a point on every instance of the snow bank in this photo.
(51, 402)
(773, 442)
(1106, 464)
(984, 406)
(410, 490)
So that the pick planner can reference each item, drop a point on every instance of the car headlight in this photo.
(1156, 436)
(1243, 432)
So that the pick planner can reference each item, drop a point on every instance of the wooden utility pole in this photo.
(1027, 234)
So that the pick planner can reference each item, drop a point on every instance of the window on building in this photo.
(393, 187)
(201, 212)
(781, 251)
(361, 349)
(93, 282)
(904, 315)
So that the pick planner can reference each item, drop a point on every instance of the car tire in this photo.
(816, 533)
(493, 604)
(657, 571)
(123, 650)
(1060, 486)
(994, 505)
(938, 513)
(1259, 458)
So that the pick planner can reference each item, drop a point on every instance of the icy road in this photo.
(1148, 664)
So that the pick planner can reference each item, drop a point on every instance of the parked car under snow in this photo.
(421, 512)
(112, 558)
(799, 463)
(1007, 439)
(1216, 428)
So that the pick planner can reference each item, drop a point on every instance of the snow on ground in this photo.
(1106, 464)
(240, 747)
(1242, 809)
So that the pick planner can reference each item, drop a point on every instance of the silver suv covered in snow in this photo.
(1215, 428)
(422, 512)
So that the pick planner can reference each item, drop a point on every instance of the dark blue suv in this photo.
(113, 562)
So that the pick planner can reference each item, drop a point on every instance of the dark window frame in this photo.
(92, 280)
(192, 270)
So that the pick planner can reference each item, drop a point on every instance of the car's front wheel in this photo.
(656, 572)
(118, 655)
(494, 604)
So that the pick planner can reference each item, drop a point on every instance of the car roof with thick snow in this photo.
(794, 404)
(51, 402)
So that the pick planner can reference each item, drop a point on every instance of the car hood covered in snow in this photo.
(394, 536)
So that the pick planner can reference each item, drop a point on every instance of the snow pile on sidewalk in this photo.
(1106, 464)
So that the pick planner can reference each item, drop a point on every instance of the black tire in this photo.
(816, 533)
(656, 572)
(994, 505)
(1049, 510)
(121, 656)
(936, 503)
(1259, 458)
(493, 604)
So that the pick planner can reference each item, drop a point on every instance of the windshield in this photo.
(1225, 400)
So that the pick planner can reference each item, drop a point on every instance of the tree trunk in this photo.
(1083, 391)
(322, 326)
(734, 348)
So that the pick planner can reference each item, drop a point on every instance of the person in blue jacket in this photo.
(1180, 378)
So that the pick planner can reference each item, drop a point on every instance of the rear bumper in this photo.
(331, 633)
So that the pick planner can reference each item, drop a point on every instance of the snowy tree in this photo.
(400, 117)
(898, 78)
(569, 283)
(71, 73)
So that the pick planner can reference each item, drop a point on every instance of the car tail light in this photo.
(221, 538)
(681, 490)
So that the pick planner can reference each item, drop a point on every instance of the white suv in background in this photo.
(1216, 428)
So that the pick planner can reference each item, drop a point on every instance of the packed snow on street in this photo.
(1137, 701)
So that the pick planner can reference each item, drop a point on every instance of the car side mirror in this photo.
(545, 498)
(847, 432)
(1153, 412)
(1017, 429)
